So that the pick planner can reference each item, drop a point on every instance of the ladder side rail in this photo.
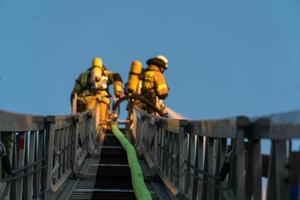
(41, 152)
(21, 165)
(68, 147)
(171, 148)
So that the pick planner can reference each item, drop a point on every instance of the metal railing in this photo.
(206, 159)
(43, 151)
(223, 159)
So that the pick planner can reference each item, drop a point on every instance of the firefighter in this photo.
(92, 86)
(154, 85)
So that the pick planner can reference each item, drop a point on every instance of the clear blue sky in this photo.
(226, 58)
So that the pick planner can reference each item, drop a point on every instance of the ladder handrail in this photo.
(43, 152)
(191, 156)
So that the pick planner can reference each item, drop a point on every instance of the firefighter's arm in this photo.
(162, 88)
(117, 81)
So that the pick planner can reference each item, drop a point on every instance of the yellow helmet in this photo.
(97, 62)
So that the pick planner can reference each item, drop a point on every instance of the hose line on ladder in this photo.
(140, 189)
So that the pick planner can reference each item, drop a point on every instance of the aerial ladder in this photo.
(59, 157)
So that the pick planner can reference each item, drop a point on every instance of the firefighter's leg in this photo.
(108, 117)
(104, 112)
(102, 126)
(90, 102)
(153, 102)
(103, 115)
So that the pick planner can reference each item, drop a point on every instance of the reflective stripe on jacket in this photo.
(154, 83)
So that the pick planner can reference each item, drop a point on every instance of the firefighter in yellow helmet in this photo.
(154, 85)
(92, 86)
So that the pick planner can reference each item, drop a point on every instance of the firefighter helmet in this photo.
(160, 61)
(164, 59)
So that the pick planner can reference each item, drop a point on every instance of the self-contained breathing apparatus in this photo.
(135, 84)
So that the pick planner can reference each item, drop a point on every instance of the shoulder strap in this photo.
(84, 77)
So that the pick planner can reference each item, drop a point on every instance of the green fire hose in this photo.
(139, 186)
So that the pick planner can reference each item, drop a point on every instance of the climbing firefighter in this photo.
(149, 82)
(92, 87)
(154, 85)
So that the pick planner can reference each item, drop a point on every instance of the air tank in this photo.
(133, 79)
